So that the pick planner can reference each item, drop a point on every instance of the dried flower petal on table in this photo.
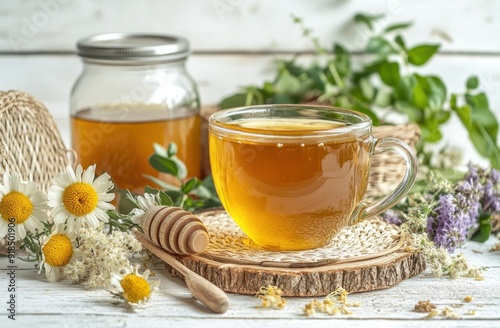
(22, 203)
(334, 303)
(134, 288)
(468, 298)
(79, 200)
(271, 297)
(424, 306)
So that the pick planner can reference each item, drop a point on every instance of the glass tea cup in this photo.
(292, 176)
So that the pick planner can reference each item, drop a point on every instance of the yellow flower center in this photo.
(80, 198)
(58, 250)
(17, 206)
(135, 288)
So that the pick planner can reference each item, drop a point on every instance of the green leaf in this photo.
(367, 19)
(176, 197)
(367, 89)
(202, 192)
(430, 130)
(380, 46)
(282, 99)
(125, 205)
(414, 114)
(419, 55)
(482, 234)
(162, 164)
(130, 197)
(465, 115)
(437, 92)
(160, 149)
(150, 190)
(453, 102)
(189, 185)
(389, 73)
(483, 128)
(181, 167)
(420, 99)
(161, 183)
(404, 90)
(472, 83)
(442, 116)
(398, 26)
(172, 149)
(236, 100)
(342, 60)
(165, 199)
(287, 83)
(400, 42)
(383, 98)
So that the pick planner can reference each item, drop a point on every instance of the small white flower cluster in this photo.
(103, 256)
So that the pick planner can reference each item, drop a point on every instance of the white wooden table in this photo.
(43, 304)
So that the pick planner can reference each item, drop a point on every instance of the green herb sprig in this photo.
(191, 194)
(388, 84)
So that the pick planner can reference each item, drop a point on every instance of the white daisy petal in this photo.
(3, 190)
(6, 181)
(30, 189)
(33, 224)
(14, 182)
(101, 215)
(78, 173)
(60, 216)
(89, 174)
(20, 231)
(71, 224)
(40, 214)
(71, 174)
(52, 273)
(106, 197)
(77, 223)
(92, 220)
(102, 183)
(105, 206)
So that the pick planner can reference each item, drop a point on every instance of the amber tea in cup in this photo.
(292, 176)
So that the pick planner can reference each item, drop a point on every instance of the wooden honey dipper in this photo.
(175, 230)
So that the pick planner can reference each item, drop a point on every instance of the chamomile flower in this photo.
(58, 250)
(77, 199)
(23, 204)
(134, 288)
(145, 203)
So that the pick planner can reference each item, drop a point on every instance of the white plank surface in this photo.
(245, 25)
(45, 304)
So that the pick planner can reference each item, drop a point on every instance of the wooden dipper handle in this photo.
(203, 290)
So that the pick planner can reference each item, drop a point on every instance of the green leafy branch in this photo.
(389, 84)
(191, 194)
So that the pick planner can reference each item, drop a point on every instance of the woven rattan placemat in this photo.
(366, 240)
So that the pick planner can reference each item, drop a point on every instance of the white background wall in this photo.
(234, 41)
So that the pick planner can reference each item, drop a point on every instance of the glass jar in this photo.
(134, 91)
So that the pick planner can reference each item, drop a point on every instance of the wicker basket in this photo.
(387, 169)
(30, 143)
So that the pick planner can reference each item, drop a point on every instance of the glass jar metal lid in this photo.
(133, 48)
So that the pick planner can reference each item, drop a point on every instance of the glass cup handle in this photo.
(364, 210)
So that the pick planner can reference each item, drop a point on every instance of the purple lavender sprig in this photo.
(457, 213)
(454, 212)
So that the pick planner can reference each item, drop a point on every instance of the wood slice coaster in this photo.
(363, 257)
